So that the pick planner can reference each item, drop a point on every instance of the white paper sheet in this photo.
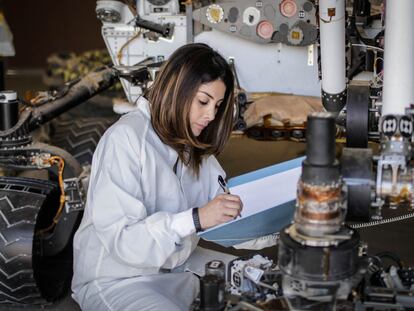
(261, 194)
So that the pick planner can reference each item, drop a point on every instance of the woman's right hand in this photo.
(221, 209)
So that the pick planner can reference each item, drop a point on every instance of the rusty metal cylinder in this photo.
(321, 200)
(320, 209)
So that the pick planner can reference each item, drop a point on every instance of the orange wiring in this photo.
(61, 165)
(121, 50)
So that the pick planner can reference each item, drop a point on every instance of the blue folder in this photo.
(266, 222)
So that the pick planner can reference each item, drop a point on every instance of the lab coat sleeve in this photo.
(118, 214)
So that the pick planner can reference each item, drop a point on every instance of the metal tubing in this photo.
(398, 57)
(332, 38)
(90, 85)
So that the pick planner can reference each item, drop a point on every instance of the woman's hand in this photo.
(221, 209)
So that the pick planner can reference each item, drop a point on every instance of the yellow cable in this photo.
(61, 165)
(119, 54)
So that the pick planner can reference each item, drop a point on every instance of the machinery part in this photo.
(251, 16)
(158, 7)
(292, 22)
(318, 273)
(159, 2)
(212, 293)
(9, 109)
(357, 115)
(293, 133)
(299, 34)
(32, 117)
(265, 30)
(75, 196)
(382, 221)
(29, 157)
(246, 274)
(26, 157)
(362, 8)
(240, 106)
(334, 102)
(356, 169)
(398, 93)
(212, 288)
(319, 211)
(289, 59)
(321, 200)
(31, 205)
(394, 181)
(28, 276)
(79, 137)
(320, 166)
(214, 13)
(288, 8)
(395, 126)
(406, 126)
(217, 268)
(332, 29)
(109, 11)
(389, 125)
(138, 75)
(379, 298)
(90, 85)
(318, 256)
(18, 135)
(166, 30)
(295, 35)
(240, 100)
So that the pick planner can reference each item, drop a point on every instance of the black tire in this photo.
(20, 203)
(27, 275)
(79, 137)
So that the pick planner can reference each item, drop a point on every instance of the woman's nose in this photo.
(211, 113)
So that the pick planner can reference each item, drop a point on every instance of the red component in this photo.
(288, 8)
(265, 29)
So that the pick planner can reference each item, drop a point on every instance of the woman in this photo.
(154, 183)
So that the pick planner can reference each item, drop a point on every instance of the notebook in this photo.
(268, 196)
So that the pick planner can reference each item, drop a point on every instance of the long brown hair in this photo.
(171, 96)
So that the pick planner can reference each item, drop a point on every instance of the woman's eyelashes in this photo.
(206, 102)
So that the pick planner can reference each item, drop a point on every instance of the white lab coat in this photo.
(138, 222)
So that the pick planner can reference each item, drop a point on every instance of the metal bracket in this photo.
(310, 55)
(75, 197)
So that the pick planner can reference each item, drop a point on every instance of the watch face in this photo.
(159, 2)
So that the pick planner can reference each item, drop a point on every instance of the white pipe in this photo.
(332, 36)
(398, 88)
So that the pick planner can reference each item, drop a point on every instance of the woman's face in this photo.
(205, 104)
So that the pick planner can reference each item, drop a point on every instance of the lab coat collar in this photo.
(144, 106)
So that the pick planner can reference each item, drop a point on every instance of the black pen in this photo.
(225, 188)
(223, 184)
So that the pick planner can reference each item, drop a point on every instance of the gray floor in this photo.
(244, 155)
